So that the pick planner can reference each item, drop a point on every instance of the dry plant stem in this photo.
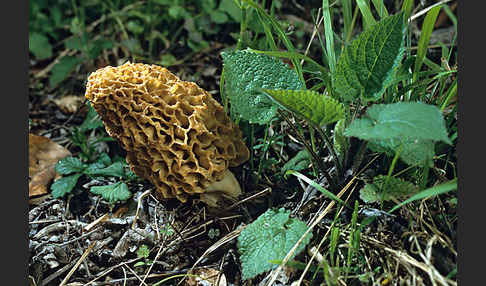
(134, 273)
(140, 198)
(81, 259)
(96, 222)
(259, 194)
(106, 271)
(151, 265)
(57, 273)
(415, 16)
(309, 149)
(314, 32)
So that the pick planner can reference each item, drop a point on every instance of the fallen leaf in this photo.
(206, 277)
(69, 104)
(43, 156)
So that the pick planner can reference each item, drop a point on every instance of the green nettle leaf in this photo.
(413, 120)
(39, 46)
(311, 105)
(367, 65)
(70, 165)
(246, 73)
(384, 188)
(412, 151)
(270, 237)
(115, 170)
(299, 162)
(64, 185)
(112, 193)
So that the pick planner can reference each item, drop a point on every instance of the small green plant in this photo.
(73, 168)
(92, 164)
(270, 237)
(81, 135)
(143, 252)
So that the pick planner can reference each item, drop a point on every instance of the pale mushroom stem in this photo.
(227, 187)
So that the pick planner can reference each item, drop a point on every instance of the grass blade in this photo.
(368, 18)
(450, 93)
(407, 7)
(434, 191)
(427, 28)
(347, 17)
(316, 185)
(382, 11)
(329, 34)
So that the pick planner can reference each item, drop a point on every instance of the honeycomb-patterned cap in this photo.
(176, 135)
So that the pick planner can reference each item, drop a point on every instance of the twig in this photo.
(57, 273)
(140, 198)
(81, 259)
(96, 221)
(266, 190)
(415, 16)
(106, 271)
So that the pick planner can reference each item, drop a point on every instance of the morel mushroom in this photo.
(176, 135)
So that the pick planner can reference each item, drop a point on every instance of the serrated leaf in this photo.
(70, 165)
(311, 105)
(246, 73)
(384, 188)
(143, 251)
(61, 70)
(113, 193)
(367, 65)
(64, 185)
(413, 152)
(270, 237)
(414, 120)
(39, 46)
(299, 162)
(115, 170)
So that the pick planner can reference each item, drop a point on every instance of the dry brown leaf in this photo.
(69, 104)
(43, 156)
(206, 277)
